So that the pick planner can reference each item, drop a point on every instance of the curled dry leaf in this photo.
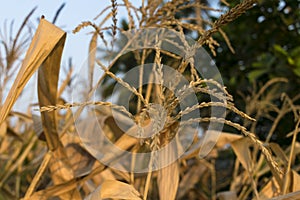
(115, 190)
(47, 35)
(48, 75)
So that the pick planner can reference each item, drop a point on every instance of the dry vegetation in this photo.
(44, 158)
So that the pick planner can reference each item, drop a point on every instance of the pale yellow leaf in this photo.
(167, 181)
(295, 184)
(241, 150)
(270, 190)
(290, 196)
(47, 36)
(215, 139)
(92, 57)
(115, 190)
(48, 75)
(228, 195)
(49, 47)
(279, 152)
(227, 138)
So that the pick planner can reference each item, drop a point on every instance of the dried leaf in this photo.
(61, 172)
(81, 162)
(168, 175)
(295, 183)
(227, 138)
(47, 36)
(279, 152)
(3, 128)
(92, 57)
(115, 190)
(106, 174)
(49, 43)
(290, 196)
(87, 129)
(228, 195)
(270, 190)
(241, 149)
(168, 180)
(47, 83)
(201, 149)
(191, 178)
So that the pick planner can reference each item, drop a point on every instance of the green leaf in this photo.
(297, 70)
(280, 50)
(253, 75)
(290, 61)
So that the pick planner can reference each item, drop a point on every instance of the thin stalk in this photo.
(38, 175)
(286, 175)
(148, 177)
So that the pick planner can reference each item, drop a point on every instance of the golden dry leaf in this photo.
(92, 57)
(227, 138)
(61, 172)
(44, 41)
(241, 150)
(279, 152)
(168, 179)
(81, 162)
(115, 190)
(48, 80)
(290, 196)
(294, 184)
(191, 178)
(3, 128)
(270, 190)
(291, 182)
(200, 148)
(106, 174)
(48, 75)
(228, 195)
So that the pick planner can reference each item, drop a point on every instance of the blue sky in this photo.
(72, 14)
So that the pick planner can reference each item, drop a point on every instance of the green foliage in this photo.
(267, 45)
(266, 41)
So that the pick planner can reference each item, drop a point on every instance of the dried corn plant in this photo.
(55, 155)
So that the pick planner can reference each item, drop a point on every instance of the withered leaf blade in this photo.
(168, 177)
(47, 36)
(115, 190)
(92, 57)
(48, 75)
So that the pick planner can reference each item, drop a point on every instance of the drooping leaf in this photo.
(48, 75)
(47, 83)
(43, 43)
